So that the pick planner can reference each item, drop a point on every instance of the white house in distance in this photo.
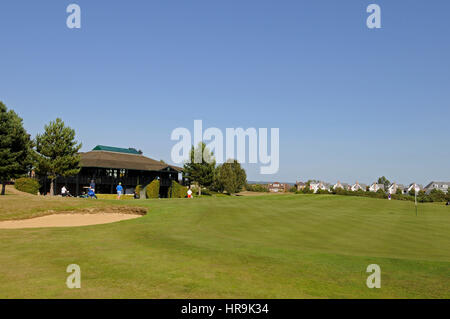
(394, 187)
(318, 185)
(375, 187)
(413, 186)
(357, 186)
(442, 186)
(340, 185)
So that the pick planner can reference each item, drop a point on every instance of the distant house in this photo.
(277, 187)
(338, 185)
(344, 186)
(375, 187)
(319, 185)
(394, 187)
(442, 186)
(413, 186)
(300, 185)
(357, 186)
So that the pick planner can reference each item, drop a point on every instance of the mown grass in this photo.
(291, 246)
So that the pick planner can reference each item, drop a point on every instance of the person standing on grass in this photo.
(189, 193)
(119, 189)
(64, 191)
(91, 193)
(92, 185)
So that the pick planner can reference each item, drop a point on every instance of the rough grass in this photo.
(290, 246)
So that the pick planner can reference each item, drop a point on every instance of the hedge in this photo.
(177, 191)
(27, 185)
(152, 189)
(434, 196)
(257, 188)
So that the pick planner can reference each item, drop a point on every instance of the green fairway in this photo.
(287, 246)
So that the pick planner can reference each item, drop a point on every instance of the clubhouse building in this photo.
(108, 166)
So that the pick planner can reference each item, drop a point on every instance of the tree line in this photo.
(228, 177)
(53, 153)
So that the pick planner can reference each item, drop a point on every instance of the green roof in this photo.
(116, 149)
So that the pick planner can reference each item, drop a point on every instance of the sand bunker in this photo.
(92, 216)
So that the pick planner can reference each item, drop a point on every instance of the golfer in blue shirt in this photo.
(119, 189)
(91, 193)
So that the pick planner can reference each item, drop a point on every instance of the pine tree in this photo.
(201, 172)
(57, 152)
(15, 147)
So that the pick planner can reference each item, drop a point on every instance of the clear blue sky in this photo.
(351, 103)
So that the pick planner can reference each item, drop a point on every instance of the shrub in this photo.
(138, 189)
(257, 188)
(27, 185)
(152, 189)
(437, 195)
(402, 197)
(306, 190)
(177, 191)
(206, 192)
(293, 189)
(424, 199)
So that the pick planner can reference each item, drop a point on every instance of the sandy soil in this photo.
(83, 217)
(66, 220)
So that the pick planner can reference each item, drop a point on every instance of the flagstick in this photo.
(415, 200)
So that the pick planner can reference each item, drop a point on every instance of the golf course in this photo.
(269, 246)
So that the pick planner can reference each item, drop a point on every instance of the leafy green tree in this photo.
(437, 195)
(15, 147)
(383, 180)
(216, 185)
(201, 167)
(231, 176)
(57, 152)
